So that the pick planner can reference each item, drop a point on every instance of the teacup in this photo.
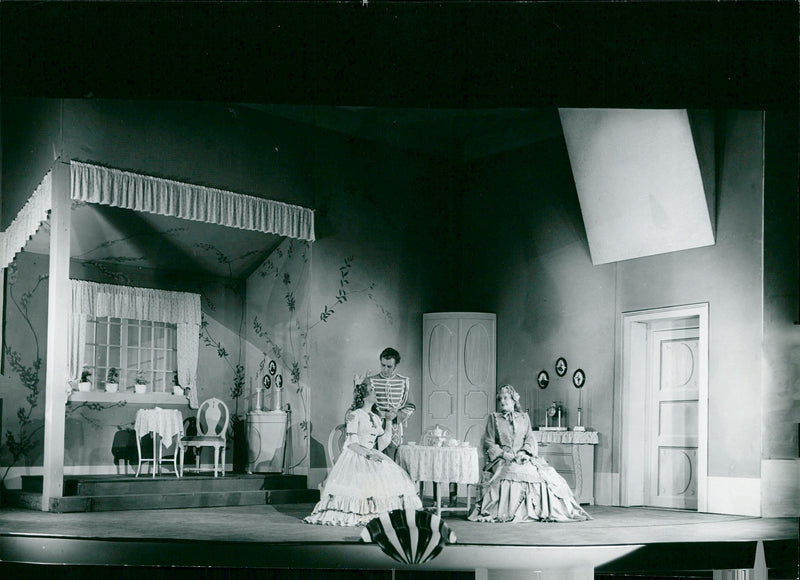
(411, 443)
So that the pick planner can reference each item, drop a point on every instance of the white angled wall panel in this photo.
(638, 180)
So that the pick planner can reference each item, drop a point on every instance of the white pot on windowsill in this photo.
(85, 386)
(139, 389)
(112, 387)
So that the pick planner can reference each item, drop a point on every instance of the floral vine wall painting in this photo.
(23, 442)
(282, 322)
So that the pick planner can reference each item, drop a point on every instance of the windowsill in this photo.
(128, 397)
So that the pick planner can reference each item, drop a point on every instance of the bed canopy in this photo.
(103, 186)
(94, 184)
(116, 188)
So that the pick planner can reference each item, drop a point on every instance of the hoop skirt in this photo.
(518, 492)
(357, 488)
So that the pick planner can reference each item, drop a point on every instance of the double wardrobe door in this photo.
(458, 372)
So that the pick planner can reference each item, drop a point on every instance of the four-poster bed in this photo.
(72, 302)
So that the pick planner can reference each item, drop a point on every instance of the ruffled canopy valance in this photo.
(95, 184)
(117, 188)
(179, 308)
(27, 221)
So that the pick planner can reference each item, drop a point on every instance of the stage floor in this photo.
(274, 536)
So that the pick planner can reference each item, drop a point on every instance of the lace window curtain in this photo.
(180, 308)
(117, 188)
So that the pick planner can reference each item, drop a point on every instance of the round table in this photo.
(441, 466)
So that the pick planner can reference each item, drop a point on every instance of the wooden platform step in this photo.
(118, 485)
(148, 501)
(85, 493)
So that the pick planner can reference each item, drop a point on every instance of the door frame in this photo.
(633, 349)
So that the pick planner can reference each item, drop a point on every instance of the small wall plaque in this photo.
(543, 379)
(561, 366)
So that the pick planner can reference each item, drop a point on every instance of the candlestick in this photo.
(250, 381)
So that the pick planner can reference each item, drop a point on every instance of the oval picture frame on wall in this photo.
(561, 366)
(578, 378)
(543, 379)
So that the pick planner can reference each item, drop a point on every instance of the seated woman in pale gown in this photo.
(364, 482)
(519, 485)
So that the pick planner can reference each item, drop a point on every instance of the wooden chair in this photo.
(336, 440)
(212, 428)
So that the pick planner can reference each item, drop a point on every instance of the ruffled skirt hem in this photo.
(347, 511)
(358, 489)
(513, 501)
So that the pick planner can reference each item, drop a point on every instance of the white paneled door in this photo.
(672, 419)
(458, 376)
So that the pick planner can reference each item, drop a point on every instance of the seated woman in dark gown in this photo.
(364, 482)
(519, 485)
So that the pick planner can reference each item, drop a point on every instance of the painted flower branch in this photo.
(237, 387)
(294, 356)
(21, 443)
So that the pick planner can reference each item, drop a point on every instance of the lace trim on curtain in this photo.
(96, 299)
(114, 187)
(188, 353)
(27, 222)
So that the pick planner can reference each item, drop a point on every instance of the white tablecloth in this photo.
(574, 437)
(165, 422)
(439, 464)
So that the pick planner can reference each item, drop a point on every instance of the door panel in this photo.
(476, 390)
(459, 363)
(442, 355)
(477, 356)
(673, 407)
(440, 381)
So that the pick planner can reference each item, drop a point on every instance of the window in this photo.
(132, 346)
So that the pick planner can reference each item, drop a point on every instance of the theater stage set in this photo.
(449, 55)
(260, 534)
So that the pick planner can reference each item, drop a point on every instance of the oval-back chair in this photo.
(212, 422)
(336, 440)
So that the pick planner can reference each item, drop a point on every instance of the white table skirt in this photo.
(439, 464)
(165, 422)
(573, 437)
